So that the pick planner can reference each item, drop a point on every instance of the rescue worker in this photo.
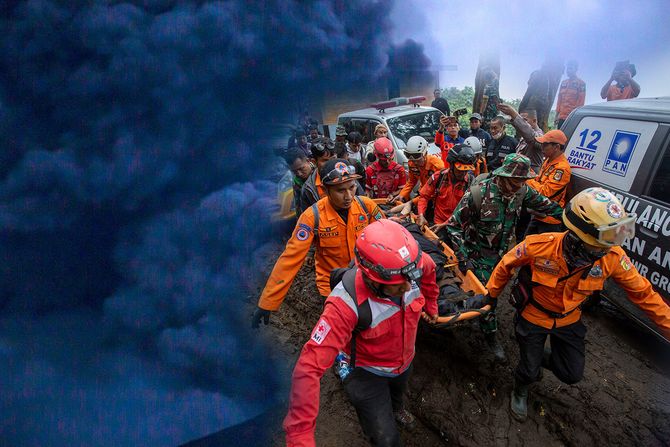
(301, 168)
(446, 188)
(553, 180)
(384, 178)
(500, 145)
(480, 160)
(446, 142)
(394, 280)
(558, 272)
(481, 229)
(322, 151)
(571, 94)
(421, 166)
(476, 130)
(332, 224)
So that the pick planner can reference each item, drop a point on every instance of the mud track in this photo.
(461, 396)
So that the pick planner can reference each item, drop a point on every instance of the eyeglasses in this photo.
(340, 173)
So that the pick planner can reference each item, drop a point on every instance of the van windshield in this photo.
(424, 124)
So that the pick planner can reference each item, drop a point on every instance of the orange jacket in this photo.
(480, 166)
(552, 182)
(445, 143)
(570, 96)
(446, 198)
(544, 254)
(334, 247)
(420, 174)
(614, 93)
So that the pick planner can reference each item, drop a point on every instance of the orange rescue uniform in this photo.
(421, 174)
(614, 93)
(480, 166)
(552, 182)
(334, 247)
(544, 254)
(570, 96)
(444, 192)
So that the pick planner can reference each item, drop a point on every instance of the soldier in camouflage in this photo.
(482, 226)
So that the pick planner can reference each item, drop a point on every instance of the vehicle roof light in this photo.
(395, 102)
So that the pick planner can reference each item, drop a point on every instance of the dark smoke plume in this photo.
(133, 211)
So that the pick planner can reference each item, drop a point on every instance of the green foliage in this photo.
(463, 98)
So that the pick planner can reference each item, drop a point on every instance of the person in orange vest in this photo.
(421, 166)
(446, 188)
(384, 178)
(446, 142)
(625, 87)
(553, 180)
(557, 273)
(369, 324)
(332, 224)
(571, 94)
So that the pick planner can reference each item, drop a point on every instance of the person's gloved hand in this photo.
(492, 301)
(421, 220)
(260, 314)
(464, 265)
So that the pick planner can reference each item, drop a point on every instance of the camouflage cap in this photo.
(516, 166)
(340, 131)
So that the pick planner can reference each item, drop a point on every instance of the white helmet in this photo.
(416, 145)
(475, 144)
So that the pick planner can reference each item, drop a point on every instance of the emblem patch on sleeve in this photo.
(625, 263)
(303, 232)
(558, 174)
(320, 331)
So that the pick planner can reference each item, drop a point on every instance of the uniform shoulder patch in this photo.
(302, 232)
(625, 263)
(558, 174)
(320, 331)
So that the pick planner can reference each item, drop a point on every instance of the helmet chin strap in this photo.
(377, 288)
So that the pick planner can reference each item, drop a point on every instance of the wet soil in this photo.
(460, 395)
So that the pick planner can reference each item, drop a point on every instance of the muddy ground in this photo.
(461, 396)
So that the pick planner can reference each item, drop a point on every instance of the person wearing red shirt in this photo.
(394, 281)
(384, 178)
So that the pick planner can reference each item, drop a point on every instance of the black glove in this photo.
(260, 314)
(492, 301)
(464, 265)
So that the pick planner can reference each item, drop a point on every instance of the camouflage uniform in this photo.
(485, 237)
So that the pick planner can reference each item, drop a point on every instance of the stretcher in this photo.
(468, 283)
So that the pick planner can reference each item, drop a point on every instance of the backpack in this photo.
(348, 277)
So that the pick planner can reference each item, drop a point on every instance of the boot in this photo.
(495, 346)
(519, 401)
(405, 419)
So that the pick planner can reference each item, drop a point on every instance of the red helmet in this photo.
(387, 253)
(383, 148)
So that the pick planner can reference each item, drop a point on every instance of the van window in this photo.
(609, 150)
(424, 124)
(660, 187)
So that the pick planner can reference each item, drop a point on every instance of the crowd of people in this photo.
(499, 201)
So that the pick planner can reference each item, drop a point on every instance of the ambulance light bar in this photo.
(395, 102)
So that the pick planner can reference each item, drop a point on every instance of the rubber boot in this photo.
(519, 401)
(405, 419)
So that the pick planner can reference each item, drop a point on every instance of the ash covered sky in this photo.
(596, 33)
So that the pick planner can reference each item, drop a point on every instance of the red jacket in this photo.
(386, 348)
(446, 198)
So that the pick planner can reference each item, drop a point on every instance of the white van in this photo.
(624, 146)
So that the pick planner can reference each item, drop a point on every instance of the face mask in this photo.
(497, 136)
(576, 254)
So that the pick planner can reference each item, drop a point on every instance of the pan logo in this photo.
(620, 152)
